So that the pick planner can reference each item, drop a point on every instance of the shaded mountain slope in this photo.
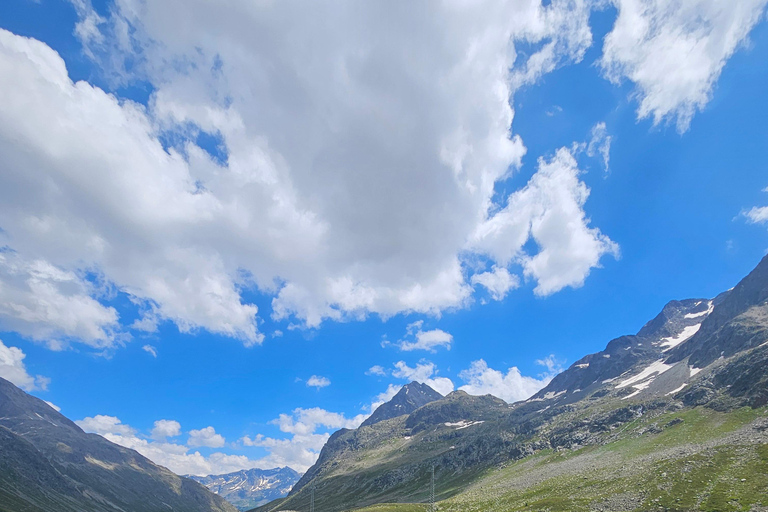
(47, 463)
(683, 376)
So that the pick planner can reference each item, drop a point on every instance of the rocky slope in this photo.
(683, 398)
(408, 399)
(47, 463)
(251, 487)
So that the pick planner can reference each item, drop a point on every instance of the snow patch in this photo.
(607, 356)
(583, 365)
(702, 313)
(673, 341)
(463, 424)
(551, 394)
(656, 368)
(678, 389)
(694, 370)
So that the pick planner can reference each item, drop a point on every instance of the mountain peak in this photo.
(408, 399)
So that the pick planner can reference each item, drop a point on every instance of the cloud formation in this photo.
(355, 163)
(417, 339)
(511, 386)
(13, 370)
(318, 382)
(674, 51)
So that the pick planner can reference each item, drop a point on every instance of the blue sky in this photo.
(231, 203)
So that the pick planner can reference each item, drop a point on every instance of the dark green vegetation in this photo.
(48, 464)
(672, 418)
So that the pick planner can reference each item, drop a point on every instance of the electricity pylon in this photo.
(312, 499)
(432, 507)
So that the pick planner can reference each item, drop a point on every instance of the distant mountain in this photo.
(674, 417)
(48, 464)
(251, 487)
(408, 399)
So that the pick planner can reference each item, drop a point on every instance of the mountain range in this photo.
(250, 488)
(48, 464)
(671, 418)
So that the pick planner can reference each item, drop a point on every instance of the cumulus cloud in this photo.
(758, 214)
(318, 382)
(165, 428)
(674, 52)
(309, 429)
(424, 372)
(206, 437)
(549, 209)
(176, 457)
(511, 386)
(418, 339)
(376, 370)
(498, 282)
(46, 303)
(13, 370)
(375, 107)
(103, 424)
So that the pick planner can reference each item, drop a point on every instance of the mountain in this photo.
(408, 399)
(251, 487)
(47, 463)
(673, 417)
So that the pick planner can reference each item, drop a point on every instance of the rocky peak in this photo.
(408, 399)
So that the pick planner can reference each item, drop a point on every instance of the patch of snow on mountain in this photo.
(582, 366)
(671, 342)
(656, 368)
(678, 389)
(693, 370)
(702, 313)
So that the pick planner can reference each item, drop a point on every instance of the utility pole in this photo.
(432, 507)
(312, 499)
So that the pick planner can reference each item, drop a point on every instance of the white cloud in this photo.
(548, 209)
(376, 370)
(102, 424)
(417, 339)
(510, 387)
(150, 350)
(674, 51)
(53, 406)
(13, 370)
(325, 127)
(600, 144)
(48, 304)
(165, 428)
(498, 282)
(318, 381)
(175, 457)
(206, 437)
(758, 214)
(424, 372)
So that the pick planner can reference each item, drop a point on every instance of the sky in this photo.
(228, 229)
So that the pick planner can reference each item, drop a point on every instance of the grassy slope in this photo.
(709, 461)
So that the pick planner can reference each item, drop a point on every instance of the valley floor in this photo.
(696, 459)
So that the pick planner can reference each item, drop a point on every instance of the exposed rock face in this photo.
(408, 399)
(47, 463)
(696, 352)
(251, 487)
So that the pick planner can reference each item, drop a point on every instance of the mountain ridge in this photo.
(625, 391)
(250, 488)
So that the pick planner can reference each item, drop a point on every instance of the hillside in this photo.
(47, 463)
(671, 418)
